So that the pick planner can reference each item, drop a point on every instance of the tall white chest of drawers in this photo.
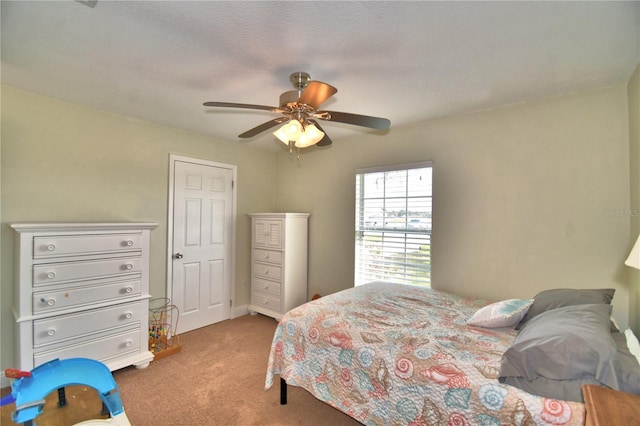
(82, 290)
(278, 262)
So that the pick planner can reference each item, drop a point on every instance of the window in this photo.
(393, 224)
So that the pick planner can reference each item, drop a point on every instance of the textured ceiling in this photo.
(408, 61)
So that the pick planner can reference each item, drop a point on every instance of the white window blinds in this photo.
(393, 224)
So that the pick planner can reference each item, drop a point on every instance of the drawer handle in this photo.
(266, 302)
(266, 286)
(127, 343)
(51, 247)
(128, 266)
(266, 272)
(51, 275)
(266, 256)
(128, 315)
(51, 332)
(49, 302)
(128, 289)
(128, 243)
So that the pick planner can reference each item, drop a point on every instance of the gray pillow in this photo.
(568, 343)
(627, 376)
(559, 297)
(628, 372)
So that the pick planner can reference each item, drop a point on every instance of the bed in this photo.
(395, 354)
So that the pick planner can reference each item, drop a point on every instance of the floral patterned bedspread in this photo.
(390, 354)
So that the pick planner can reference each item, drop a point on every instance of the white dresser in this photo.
(278, 262)
(82, 290)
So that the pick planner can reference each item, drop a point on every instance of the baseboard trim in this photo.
(239, 311)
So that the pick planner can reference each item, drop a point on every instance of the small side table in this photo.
(608, 407)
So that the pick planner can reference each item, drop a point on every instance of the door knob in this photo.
(178, 256)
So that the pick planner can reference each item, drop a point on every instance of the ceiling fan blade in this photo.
(326, 140)
(261, 128)
(358, 120)
(316, 93)
(247, 106)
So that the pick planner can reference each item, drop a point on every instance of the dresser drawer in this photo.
(64, 327)
(55, 273)
(266, 286)
(269, 256)
(49, 301)
(102, 349)
(266, 300)
(45, 247)
(267, 271)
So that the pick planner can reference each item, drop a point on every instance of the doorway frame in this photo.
(234, 189)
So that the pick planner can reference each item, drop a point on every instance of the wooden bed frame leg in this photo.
(283, 392)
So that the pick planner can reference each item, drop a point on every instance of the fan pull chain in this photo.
(291, 144)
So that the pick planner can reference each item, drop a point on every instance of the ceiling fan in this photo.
(300, 113)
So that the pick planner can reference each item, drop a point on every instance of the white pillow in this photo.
(505, 313)
(632, 343)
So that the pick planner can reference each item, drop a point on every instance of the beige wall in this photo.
(634, 157)
(63, 162)
(526, 198)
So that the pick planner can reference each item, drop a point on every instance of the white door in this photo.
(201, 259)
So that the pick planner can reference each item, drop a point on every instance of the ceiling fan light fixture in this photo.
(300, 110)
(290, 131)
(311, 136)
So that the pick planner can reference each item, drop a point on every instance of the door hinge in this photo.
(232, 184)
(230, 303)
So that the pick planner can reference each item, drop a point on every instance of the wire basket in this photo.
(163, 328)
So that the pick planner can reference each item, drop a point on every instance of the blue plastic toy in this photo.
(29, 390)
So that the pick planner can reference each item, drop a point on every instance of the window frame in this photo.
(393, 236)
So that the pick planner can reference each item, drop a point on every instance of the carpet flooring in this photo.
(217, 379)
